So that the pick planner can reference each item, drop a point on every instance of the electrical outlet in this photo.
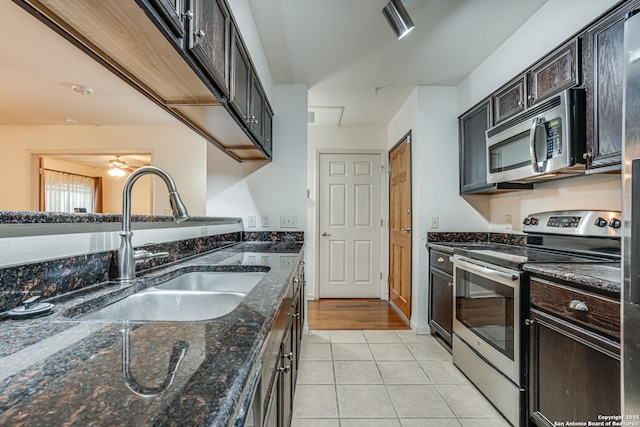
(287, 261)
(507, 222)
(251, 221)
(435, 222)
(288, 221)
(264, 222)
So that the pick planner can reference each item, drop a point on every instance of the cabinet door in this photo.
(286, 373)
(240, 73)
(209, 39)
(272, 408)
(256, 109)
(574, 374)
(604, 76)
(510, 100)
(556, 73)
(268, 131)
(173, 13)
(473, 148)
(441, 303)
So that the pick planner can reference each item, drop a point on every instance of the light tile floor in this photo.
(384, 379)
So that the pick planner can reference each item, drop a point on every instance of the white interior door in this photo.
(350, 226)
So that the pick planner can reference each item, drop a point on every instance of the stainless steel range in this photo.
(490, 340)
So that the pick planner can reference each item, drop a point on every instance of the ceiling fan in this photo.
(119, 168)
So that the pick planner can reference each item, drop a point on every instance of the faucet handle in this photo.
(142, 255)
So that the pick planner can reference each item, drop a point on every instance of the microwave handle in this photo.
(537, 167)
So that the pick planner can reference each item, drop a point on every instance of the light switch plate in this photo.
(251, 221)
(264, 222)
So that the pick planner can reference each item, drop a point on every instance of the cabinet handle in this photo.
(440, 259)
(200, 34)
(578, 305)
(325, 234)
(188, 14)
(450, 283)
(529, 322)
(288, 356)
(255, 122)
(406, 230)
(268, 140)
(284, 369)
(296, 315)
(586, 155)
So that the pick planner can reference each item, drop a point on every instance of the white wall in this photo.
(560, 19)
(273, 189)
(175, 148)
(325, 139)
(430, 113)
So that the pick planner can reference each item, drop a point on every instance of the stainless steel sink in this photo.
(170, 305)
(213, 281)
(188, 297)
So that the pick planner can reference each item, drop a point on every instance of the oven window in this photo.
(512, 153)
(487, 309)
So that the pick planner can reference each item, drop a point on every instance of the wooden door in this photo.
(350, 226)
(400, 226)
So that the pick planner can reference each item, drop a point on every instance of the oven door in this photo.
(487, 313)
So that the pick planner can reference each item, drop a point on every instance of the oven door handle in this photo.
(466, 265)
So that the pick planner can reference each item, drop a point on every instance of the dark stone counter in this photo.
(605, 277)
(58, 370)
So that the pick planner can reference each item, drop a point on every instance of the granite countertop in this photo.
(601, 276)
(605, 277)
(57, 370)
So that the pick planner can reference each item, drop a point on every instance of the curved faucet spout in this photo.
(126, 254)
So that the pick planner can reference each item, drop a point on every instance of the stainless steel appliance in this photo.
(630, 336)
(543, 142)
(490, 337)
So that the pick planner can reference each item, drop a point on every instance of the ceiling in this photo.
(349, 57)
(342, 49)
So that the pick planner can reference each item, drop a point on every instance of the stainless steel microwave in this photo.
(545, 141)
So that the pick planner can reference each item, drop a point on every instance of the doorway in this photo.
(400, 220)
(350, 225)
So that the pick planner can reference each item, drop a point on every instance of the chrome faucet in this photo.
(127, 257)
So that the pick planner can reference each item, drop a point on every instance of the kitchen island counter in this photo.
(58, 370)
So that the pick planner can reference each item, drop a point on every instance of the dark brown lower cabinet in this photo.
(441, 295)
(279, 399)
(574, 371)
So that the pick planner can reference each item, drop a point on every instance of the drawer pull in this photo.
(450, 283)
(578, 305)
(440, 259)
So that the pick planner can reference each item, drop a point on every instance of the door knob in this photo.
(325, 234)
(406, 230)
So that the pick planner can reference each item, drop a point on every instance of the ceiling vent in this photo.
(325, 116)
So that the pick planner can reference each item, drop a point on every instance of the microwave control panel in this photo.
(554, 137)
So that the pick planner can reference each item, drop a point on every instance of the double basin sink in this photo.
(189, 297)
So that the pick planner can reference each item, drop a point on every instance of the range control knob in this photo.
(615, 223)
(601, 222)
(526, 221)
(534, 221)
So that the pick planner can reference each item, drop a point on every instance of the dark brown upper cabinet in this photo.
(240, 73)
(604, 74)
(473, 147)
(510, 100)
(558, 71)
(256, 109)
(208, 41)
(173, 14)
(179, 54)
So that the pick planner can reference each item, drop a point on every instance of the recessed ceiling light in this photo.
(82, 90)
(72, 120)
